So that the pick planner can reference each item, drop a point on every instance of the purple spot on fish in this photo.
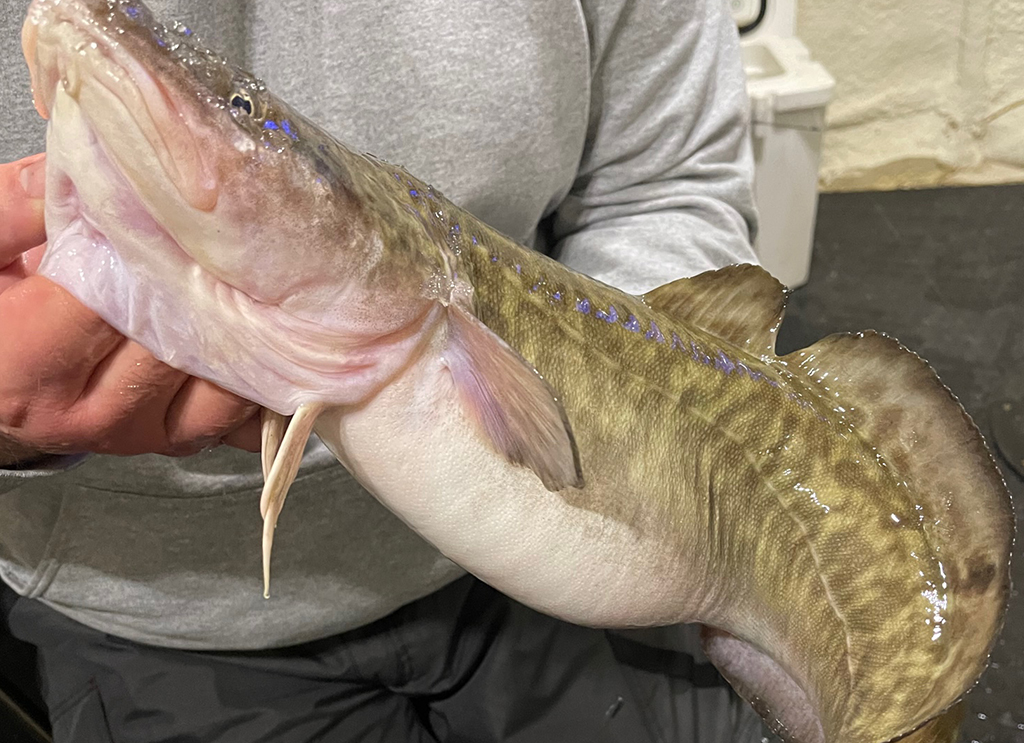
(695, 350)
(583, 305)
(724, 363)
(494, 259)
(160, 42)
(269, 124)
(186, 30)
(456, 229)
(413, 192)
(677, 342)
(519, 269)
(397, 176)
(655, 334)
(474, 239)
(632, 324)
(287, 126)
(534, 288)
(773, 383)
(131, 11)
(557, 296)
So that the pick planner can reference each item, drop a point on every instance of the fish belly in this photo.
(414, 449)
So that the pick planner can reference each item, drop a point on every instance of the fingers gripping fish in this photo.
(832, 517)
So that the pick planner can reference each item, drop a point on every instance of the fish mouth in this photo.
(71, 48)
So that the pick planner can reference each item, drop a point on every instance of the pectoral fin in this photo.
(286, 461)
(515, 409)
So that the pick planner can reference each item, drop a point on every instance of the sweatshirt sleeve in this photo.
(665, 181)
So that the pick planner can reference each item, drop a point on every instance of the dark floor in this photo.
(943, 271)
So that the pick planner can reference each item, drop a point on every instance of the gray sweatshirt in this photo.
(610, 133)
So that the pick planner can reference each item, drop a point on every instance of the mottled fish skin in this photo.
(777, 503)
(744, 489)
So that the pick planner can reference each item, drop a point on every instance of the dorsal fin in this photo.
(893, 399)
(742, 304)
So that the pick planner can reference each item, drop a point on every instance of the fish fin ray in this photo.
(282, 474)
(272, 428)
(514, 407)
(742, 304)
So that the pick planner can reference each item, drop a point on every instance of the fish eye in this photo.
(242, 101)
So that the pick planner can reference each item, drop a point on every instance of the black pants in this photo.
(464, 664)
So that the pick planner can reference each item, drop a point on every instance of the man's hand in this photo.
(69, 382)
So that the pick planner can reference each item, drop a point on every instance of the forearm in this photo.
(665, 186)
(638, 252)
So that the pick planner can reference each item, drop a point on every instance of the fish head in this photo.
(178, 185)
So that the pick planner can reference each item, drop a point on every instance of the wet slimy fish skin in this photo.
(832, 517)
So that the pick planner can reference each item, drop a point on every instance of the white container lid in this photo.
(782, 76)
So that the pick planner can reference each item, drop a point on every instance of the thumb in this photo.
(22, 186)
